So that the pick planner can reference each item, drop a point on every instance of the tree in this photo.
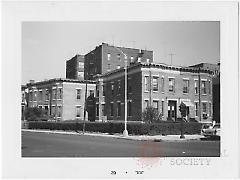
(151, 115)
(35, 114)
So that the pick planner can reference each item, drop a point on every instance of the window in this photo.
(155, 104)
(132, 58)
(78, 111)
(119, 57)
(103, 88)
(118, 109)
(40, 95)
(119, 87)
(47, 95)
(118, 66)
(171, 84)
(97, 90)
(40, 107)
(59, 112)
(78, 93)
(209, 86)
(60, 93)
(155, 83)
(146, 103)
(210, 109)
(162, 79)
(196, 109)
(112, 88)
(139, 59)
(204, 90)
(185, 86)
(109, 67)
(80, 64)
(146, 83)
(91, 92)
(109, 56)
(162, 107)
(111, 109)
(54, 109)
(35, 96)
(196, 86)
(54, 93)
(97, 109)
(103, 110)
(129, 108)
(204, 106)
(147, 60)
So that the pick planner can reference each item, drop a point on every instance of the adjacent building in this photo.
(63, 99)
(75, 67)
(106, 58)
(161, 86)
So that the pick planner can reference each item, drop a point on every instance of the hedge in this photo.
(166, 128)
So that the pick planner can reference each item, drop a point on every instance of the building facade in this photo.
(215, 87)
(160, 86)
(75, 68)
(63, 99)
(106, 58)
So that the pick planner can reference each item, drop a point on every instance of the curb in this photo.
(112, 136)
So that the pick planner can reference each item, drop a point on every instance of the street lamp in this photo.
(125, 132)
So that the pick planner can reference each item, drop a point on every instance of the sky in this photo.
(46, 46)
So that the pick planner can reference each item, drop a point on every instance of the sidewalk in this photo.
(156, 138)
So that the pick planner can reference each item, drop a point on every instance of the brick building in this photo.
(106, 58)
(161, 86)
(63, 99)
(215, 86)
(75, 68)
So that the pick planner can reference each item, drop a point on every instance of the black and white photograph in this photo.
(90, 87)
(125, 93)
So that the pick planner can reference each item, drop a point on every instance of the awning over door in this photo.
(187, 102)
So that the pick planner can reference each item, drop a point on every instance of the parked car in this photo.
(211, 130)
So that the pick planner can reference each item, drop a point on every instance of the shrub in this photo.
(35, 114)
(165, 128)
(151, 115)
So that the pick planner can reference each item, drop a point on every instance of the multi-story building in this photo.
(63, 99)
(75, 68)
(106, 58)
(215, 87)
(160, 86)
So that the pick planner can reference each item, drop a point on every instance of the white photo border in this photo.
(14, 13)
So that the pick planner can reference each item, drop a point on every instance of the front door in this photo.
(172, 113)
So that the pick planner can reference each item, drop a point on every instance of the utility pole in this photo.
(199, 94)
(171, 55)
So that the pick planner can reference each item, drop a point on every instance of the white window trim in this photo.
(76, 111)
(145, 84)
(185, 79)
(203, 79)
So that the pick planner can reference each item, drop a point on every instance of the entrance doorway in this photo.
(172, 110)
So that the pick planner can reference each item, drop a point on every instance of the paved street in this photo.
(35, 144)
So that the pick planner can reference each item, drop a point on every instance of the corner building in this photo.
(161, 86)
(63, 99)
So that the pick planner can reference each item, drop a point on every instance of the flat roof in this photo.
(61, 80)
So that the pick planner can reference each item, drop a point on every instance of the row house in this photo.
(160, 86)
(62, 99)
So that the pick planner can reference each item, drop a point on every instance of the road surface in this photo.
(36, 144)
